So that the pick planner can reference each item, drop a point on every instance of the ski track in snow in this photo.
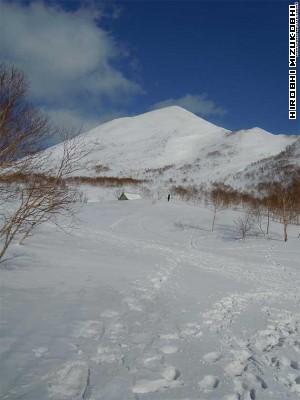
(111, 334)
(247, 358)
(138, 344)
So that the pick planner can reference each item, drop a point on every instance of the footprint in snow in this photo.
(170, 373)
(239, 363)
(69, 382)
(191, 329)
(244, 391)
(109, 355)
(169, 380)
(212, 357)
(169, 349)
(40, 351)
(208, 383)
(152, 361)
(88, 329)
(235, 368)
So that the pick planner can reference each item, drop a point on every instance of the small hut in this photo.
(129, 196)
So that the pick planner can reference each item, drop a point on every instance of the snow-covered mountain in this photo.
(173, 146)
(282, 167)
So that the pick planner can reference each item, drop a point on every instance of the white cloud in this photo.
(75, 122)
(198, 104)
(70, 119)
(67, 57)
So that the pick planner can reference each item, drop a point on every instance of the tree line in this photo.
(273, 201)
(279, 201)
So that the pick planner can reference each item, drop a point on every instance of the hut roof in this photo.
(131, 196)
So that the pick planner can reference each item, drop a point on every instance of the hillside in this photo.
(283, 167)
(172, 145)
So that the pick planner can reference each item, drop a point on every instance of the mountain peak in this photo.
(172, 139)
(175, 111)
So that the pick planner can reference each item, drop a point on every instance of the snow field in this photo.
(133, 305)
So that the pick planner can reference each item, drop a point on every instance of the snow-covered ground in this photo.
(140, 300)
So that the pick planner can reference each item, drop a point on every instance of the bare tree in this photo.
(33, 185)
(22, 127)
(51, 193)
(244, 224)
(217, 200)
(284, 201)
(268, 208)
(258, 214)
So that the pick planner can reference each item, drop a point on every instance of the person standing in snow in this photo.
(169, 196)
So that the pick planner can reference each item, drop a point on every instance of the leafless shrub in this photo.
(244, 224)
(258, 215)
(101, 168)
(159, 170)
(186, 193)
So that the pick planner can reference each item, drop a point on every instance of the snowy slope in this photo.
(143, 301)
(167, 136)
(172, 143)
(234, 152)
(283, 167)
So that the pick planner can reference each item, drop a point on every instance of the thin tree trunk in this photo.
(7, 242)
(214, 219)
(3, 250)
(285, 231)
(268, 223)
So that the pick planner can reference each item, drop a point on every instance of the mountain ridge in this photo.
(173, 145)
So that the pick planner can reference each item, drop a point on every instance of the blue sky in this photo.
(227, 61)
